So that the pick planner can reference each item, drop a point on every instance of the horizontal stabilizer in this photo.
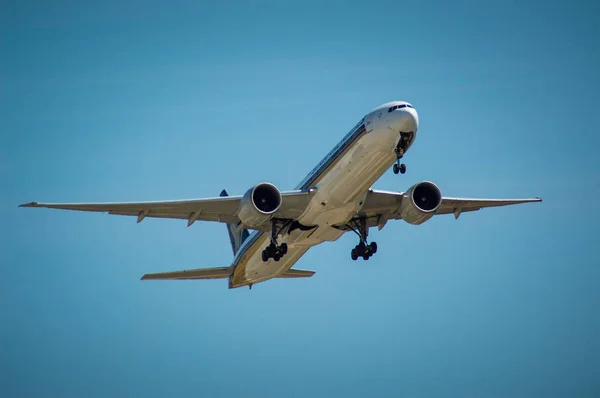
(202, 273)
(296, 273)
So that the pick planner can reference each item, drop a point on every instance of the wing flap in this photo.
(225, 218)
(202, 273)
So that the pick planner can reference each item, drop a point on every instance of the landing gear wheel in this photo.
(265, 257)
(373, 247)
(276, 257)
(354, 255)
(360, 249)
(396, 168)
(366, 256)
(283, 249)
(402, 168)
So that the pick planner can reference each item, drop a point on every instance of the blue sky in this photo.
(150, 101)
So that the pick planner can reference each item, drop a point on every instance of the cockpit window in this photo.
(393, 108)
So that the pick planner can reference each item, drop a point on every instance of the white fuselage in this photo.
(341, 182)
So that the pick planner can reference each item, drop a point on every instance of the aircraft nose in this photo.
(404, 120)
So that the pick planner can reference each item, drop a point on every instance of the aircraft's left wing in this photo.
(381, 206)
(220, 209)
(461, 205)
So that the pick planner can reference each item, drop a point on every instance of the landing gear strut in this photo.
(274, 250)
(363, 249)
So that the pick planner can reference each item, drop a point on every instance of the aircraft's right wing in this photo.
(220, 209)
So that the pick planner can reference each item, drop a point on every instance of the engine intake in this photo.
(420, 202)
(259, 204)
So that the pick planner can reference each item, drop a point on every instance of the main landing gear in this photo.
(364, 250)
(275, 251)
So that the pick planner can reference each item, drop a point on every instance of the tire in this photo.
(354, 255)
(265, 257)
(283, 248)
(361, 249)
(373, 247)
(402, 168)
(396, 169)
(276, 257)
(366, 256)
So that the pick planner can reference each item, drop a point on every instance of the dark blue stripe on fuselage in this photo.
(333, 155)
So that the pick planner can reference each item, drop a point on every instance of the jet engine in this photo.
(259, 204)
(420, 202)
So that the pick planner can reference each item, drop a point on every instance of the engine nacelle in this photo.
(259, 204)
(420, 202)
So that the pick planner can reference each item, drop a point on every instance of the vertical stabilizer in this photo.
(237, 235)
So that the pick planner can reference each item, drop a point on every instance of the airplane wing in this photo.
(381, 206)
(220, 209)
(461, 205)
(202, 273)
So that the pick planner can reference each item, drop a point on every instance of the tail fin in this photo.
(237, 235)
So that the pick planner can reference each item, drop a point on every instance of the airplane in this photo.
(270, 230)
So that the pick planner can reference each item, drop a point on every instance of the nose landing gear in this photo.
(399, 167)
(403, 144)
(364, 250)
